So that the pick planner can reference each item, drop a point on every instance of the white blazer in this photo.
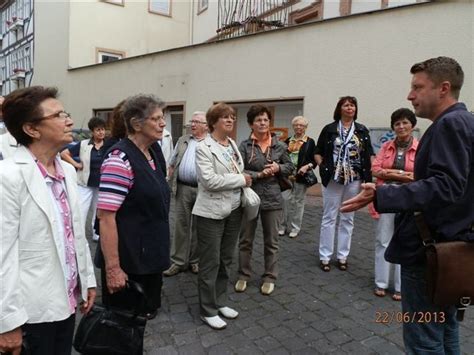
(32, 281)
(216, 180)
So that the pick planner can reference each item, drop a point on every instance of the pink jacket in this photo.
(384, 160)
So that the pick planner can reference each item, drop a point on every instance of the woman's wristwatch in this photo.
(401, 172)
(311, 165)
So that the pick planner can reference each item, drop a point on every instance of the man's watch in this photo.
(401, 172)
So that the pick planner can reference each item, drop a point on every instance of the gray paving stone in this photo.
(355, 347)
(210, 339)
(294, 343)
(185, 338)
(191, 349)
(255, 332)
(269, 322)
(323, 346)
(279, 351)
(282, 333)
(166, 350)
(338, 337)
(220, 349)
(267, 343)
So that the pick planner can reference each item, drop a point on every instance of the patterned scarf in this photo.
(343, 164)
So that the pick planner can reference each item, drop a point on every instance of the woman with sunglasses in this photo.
(266, 159)
(343, 153)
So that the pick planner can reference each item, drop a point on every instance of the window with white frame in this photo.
(160, 7)
(106, 55)
(202, 5)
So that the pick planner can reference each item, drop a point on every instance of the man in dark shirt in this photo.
(443, 191)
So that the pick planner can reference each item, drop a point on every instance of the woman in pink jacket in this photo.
(392, 165)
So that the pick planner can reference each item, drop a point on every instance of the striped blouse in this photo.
(116, 180)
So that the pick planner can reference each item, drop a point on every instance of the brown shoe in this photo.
(342, 265)
(324, 265)
(173, 270)
(194, 268)
(379, 292)
(397, 296)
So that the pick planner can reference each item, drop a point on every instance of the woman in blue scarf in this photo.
(343, 153)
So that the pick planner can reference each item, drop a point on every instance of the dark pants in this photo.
(435, 329)
(128, 299)
(52, 338)
(217, 240)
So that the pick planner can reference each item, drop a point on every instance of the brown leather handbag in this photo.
(449, 270)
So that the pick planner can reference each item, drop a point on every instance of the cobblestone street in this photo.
(310, 311)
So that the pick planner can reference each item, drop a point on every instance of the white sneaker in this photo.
(228, 312)
(95, 237)
(293, 234)
(281, 233)
(215, 322)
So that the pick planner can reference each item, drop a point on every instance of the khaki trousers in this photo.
(217, 239)
(184, 243)
(270, 220)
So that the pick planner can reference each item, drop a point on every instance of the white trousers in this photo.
(88, 199)
(383, 235)
(333, 196)
(293, 208)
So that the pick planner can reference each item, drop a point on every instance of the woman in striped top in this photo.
(133, 209)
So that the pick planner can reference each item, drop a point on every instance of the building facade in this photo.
(326, 49)
(305, 68)
(16, 43)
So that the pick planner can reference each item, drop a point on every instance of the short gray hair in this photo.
(200, 113)
(140, 107)
(300, 118)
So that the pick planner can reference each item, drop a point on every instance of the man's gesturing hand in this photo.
(365, 197)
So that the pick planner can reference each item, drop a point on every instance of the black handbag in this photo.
(107, 330)
(310, 178)
(285, 183)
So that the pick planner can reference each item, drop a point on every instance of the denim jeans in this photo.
(431, 329)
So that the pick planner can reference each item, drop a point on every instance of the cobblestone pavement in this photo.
(310, 311)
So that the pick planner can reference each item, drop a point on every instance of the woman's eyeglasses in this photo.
(63, 115)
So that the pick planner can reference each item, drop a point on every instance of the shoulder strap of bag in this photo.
(423, 228)
(233, 162)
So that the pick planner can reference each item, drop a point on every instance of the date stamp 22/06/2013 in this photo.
(389, 317)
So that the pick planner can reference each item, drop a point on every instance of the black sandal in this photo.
(342, 265)
(325, 267)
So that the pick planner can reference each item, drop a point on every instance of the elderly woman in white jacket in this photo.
(46, 268)
(219, 215)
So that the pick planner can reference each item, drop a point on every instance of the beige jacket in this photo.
(216, 180)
